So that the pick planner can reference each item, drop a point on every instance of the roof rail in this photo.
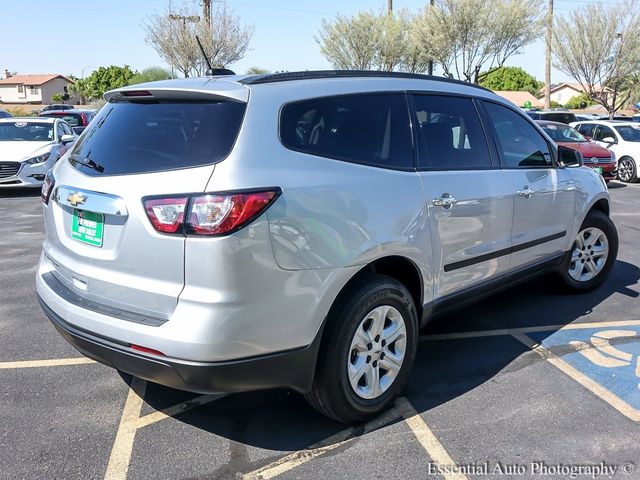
(318, 74)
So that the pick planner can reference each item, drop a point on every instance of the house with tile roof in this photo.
(520, 98)
(38, 88)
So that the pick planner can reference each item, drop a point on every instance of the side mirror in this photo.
(67, 139)
(609, 140)
(569, 157)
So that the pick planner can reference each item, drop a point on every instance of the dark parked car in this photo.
(5, 114)
(552, 116)
(595, 156)
(78, 119)
(56, 106)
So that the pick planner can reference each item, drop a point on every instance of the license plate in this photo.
(598, 169)
(87, 227)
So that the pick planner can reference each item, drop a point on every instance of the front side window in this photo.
(450, 133)
(371, 129)
(601, 132)
(520, 144)
(586, 129)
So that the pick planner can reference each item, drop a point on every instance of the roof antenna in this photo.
(212, 71)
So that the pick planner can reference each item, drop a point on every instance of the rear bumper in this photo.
(291, 369)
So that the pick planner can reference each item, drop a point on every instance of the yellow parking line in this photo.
(295, 459)
(538, 328)
(430, 443)
(56, 362)
(175, 410)
(123, 445)
(609, 397)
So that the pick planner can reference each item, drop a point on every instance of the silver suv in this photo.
(296, 230)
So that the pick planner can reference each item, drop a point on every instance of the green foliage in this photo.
(257, 71)
(107, 78)
(510, 79)
(554, 104)
(56, 97)
(574, 102)
(151, 74)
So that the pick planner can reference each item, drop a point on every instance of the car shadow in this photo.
(19, 192)
(281, 421)
(614, 184)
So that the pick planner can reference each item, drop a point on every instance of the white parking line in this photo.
(430, 443)
(56, 362)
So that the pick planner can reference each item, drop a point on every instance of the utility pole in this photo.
(430, 67)
(547, 66)
(206, 12)
(390, 6)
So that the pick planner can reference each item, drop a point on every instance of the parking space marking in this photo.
(175, 410)
(131, 422)
(597, 389)
(55, 362)
(538, 328)
(123, 445)
(430, 442)
(295, 459)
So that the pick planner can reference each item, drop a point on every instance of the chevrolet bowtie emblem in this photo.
(76, 199)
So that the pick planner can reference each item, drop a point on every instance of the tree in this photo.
(257, 71)
(173, 36)
(467, 36)
(83, 89)
(151, 74)
(600, 47)
(104, 79)
(510, 79)
(372, 41)
(576, 101)
(56, 97)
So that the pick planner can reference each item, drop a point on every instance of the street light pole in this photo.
(547, 65)
(430, 67)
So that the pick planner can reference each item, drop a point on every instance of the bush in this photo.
(574, 102)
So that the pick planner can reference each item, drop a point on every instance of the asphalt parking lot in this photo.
(530, 383)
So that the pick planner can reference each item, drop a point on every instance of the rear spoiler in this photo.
(210, 89)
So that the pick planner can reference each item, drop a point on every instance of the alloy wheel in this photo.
(625, 170)
(377, 351)
(589, 254)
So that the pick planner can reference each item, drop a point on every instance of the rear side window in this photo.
(520, 144)
(450, 133)
(127, 138)
(601, 132)
(372, 129)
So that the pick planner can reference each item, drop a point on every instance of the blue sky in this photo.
(84, 35)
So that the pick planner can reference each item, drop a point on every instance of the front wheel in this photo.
(368, 347)
(627, 171)
(592, 255)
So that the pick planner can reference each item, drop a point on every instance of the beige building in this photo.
(520, 99)
(33, 88)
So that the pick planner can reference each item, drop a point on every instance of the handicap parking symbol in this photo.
(608, 356)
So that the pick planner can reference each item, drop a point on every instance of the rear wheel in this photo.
(627, 171)
(369, 345)
(592, 255)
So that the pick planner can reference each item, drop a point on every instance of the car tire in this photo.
(592, 255)
(355, 381)
(627, 171)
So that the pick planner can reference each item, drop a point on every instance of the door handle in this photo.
(526, 192)
(445, 201)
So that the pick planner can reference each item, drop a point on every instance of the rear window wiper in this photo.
(87, 162)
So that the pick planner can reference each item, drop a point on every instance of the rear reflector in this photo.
(209, 214)
(146, 350)
(166, 214)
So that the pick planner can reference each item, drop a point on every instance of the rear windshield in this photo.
(559, 117)
(73, 119)
(127, 138)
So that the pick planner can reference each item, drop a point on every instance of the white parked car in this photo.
(622, 138)
(29, 147)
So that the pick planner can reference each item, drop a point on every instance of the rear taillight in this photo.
(47, 187)
(83, 117)
(209, 214)
(166, 214)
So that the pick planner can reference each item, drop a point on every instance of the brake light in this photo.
(166, 214)
(137, 93)
(47, 187)
(208, 214)
(84, 119)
